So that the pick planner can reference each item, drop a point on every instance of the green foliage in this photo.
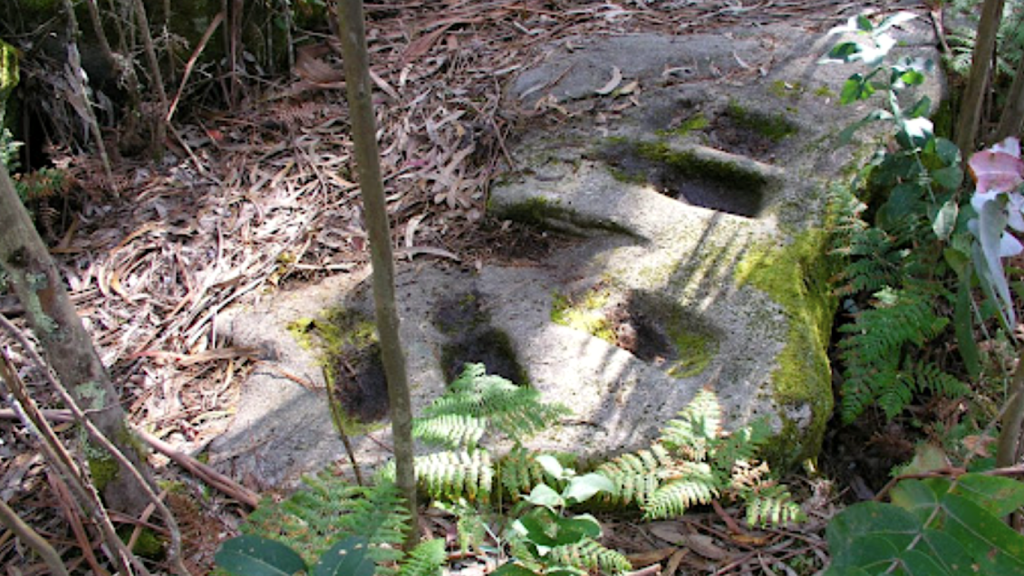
(694, 462)
(258, 556)
(899, 260)
(425, 559)
(875, 369)
(313, 518)
(475, 403)
(933, 527)
(546, 539)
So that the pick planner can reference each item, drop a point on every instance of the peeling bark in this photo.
(68, 348)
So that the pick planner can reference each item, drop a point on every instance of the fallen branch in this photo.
(195, 467)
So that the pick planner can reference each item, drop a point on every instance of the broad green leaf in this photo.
(869, 518)
(864, 23)
(581, 488)
(347, 558)
(843, 51)
(946, 551)
(945, 220)
(915, 497)
(949, 178)
(856, 88)
(513, 569)
(915, 132)
(874, 552)
(921, 108)
(258, 556)
(904, 203)
(544, 495)
(917, 563)
(551, 465)
(997, 495)
(572, 530)
(947, 151)
(963, 325)
(535, 529)
(848, 571)
(912, 78)
(995, 547)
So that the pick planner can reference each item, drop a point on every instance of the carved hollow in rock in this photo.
(462, 318)
(653, 328)
(686, 176)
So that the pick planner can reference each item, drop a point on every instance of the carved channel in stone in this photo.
(696, 176)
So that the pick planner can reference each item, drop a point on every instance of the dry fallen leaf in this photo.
(612, 84)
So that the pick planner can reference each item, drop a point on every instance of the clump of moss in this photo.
(796, 277)
(686, 163)
(696, 122)
(775, 128)
(785, 89)
(694, 352)
(586, 314)
(549, 215)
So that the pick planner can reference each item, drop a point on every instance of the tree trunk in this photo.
(1012, 118)
(69, 350)
(364, 129)
(981, 65)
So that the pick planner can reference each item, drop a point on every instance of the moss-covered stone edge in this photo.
(551, 215)
(796, 276)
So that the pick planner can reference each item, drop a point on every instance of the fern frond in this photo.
(426, 559)
(328, 508)
(450, 430)
(519, 471)
(589, 555)
(872, 352)
(740, 446)
(450, 475)
(673, 498)
(637, 476)
(772, 506)
(513, 410)
(697, 425)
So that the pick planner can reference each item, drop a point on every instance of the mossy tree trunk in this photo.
(371, 186)
(68, 348)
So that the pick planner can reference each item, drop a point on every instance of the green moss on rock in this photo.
(773, 127)
(796, 277)
(586, 314)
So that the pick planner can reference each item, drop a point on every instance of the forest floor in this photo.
(263, 197)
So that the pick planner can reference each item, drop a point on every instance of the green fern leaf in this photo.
(450, 475)
(512, 410)
(589, 555)
(772, 507)
(672, 499)
(426, 559)
(520, 472)
(450, 430)
(637, 476)
(697, 425)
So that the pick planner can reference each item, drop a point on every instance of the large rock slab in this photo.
(699, 185)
